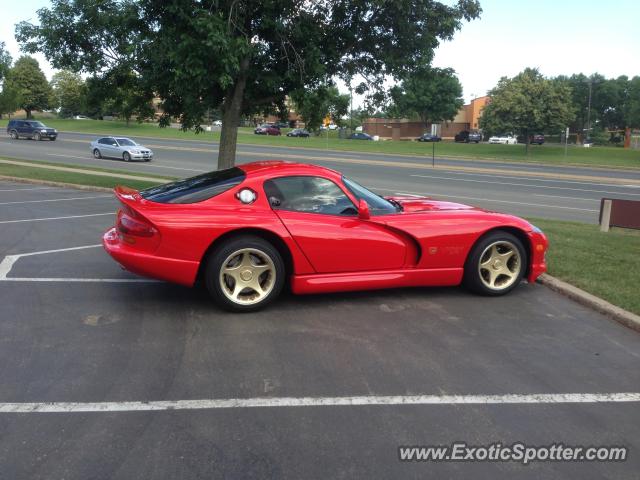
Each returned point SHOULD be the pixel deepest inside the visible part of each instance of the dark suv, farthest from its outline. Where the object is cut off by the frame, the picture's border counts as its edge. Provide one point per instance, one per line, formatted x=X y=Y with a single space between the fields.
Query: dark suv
x=466 y=136
x=30 y=129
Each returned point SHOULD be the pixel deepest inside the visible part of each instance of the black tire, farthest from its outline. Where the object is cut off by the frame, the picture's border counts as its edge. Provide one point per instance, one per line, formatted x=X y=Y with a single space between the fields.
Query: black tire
x=96 y=153
x=473 y=279
x=53 y=139
x=37 y=137
x=14 y=134
x=215 y=263
x=126 y=156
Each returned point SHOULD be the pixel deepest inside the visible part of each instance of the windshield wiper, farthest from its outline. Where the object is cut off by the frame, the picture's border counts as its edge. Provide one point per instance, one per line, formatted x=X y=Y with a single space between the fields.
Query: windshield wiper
x=395 y=204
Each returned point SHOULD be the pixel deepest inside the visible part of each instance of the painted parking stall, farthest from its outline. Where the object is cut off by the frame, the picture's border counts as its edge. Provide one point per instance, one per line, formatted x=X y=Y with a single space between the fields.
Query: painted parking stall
x=130 y=378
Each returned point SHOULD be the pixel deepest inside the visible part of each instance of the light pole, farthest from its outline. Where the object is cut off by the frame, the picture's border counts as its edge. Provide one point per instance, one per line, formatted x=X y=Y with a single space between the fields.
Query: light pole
x=350 y=107
x=589 y=109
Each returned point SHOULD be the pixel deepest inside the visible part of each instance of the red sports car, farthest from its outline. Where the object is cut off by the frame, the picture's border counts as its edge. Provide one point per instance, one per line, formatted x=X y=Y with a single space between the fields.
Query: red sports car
x=246 y=231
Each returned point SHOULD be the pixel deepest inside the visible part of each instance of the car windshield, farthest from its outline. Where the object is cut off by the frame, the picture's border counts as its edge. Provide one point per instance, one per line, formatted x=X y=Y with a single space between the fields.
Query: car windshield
x=126 y=142
x=377 y=204
x=37 y=124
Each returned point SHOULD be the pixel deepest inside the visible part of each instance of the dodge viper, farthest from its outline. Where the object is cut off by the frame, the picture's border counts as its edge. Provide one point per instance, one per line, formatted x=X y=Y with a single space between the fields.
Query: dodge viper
x=246 y=231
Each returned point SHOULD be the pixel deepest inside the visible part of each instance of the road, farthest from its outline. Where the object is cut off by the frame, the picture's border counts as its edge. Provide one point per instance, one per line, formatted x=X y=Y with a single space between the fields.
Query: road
x=151 y=380
x=530 y=190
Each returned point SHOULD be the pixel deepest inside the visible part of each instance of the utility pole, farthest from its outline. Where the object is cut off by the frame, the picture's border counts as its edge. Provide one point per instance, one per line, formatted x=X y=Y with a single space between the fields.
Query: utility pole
x=589 y=109
x=350 y=107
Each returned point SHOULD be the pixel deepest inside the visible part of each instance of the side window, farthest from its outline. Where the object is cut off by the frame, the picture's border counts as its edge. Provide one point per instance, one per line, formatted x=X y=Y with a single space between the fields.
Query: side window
x=104 y=141
x=308 y=194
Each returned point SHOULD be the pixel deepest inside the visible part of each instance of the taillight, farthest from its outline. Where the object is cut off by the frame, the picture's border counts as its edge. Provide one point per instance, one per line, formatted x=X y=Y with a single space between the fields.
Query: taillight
x=132 y=223
x=130 y=226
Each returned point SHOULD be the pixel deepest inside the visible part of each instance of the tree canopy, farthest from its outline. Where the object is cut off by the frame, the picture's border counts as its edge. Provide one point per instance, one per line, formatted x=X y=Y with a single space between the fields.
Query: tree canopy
x=432 y=94
x=69 y=93
x=243 y=57
x=29 y=85
x=526 y=104
x=5 y=62
x=315 y=105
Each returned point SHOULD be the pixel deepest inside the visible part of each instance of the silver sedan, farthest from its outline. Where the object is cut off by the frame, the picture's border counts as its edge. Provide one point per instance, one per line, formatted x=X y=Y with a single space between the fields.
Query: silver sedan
x=120 y=147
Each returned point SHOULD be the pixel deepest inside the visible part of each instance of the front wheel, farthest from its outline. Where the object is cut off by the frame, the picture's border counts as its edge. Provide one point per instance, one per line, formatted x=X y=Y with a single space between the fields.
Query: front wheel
x=37 y=137
x=96 y=153
x=496 y=264
x=126 y=157
x=245 y=274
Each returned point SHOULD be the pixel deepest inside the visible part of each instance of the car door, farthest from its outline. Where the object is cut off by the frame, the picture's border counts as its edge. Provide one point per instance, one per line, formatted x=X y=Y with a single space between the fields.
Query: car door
x=324 y=223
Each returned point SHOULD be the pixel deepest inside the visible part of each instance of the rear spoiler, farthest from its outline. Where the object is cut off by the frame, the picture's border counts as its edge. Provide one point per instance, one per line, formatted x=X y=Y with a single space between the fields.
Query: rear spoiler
x=127 y=195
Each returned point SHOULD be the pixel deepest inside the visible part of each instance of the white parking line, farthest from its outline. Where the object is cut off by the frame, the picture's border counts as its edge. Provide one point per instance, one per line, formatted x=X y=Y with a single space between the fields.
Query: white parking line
x=272 y=402
x=55 y=218
x=57 y=199
x=9 y=260
x=7 y=264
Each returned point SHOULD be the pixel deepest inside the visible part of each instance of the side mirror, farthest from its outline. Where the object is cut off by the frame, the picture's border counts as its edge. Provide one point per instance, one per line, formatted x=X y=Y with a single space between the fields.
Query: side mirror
x=363 y=210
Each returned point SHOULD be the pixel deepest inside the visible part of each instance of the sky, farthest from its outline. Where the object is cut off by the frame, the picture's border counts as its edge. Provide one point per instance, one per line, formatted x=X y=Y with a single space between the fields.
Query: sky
x=556 y=36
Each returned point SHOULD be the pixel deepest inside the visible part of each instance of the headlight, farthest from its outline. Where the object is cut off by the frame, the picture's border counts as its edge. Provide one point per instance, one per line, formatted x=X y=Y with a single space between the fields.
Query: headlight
x=43 y=131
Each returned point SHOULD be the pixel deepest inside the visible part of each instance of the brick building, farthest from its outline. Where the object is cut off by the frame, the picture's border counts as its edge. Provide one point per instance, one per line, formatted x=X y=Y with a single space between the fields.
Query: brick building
x=468 y=118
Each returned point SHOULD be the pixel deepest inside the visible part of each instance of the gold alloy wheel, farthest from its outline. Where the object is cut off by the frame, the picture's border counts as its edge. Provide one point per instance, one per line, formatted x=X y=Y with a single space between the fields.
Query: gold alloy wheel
x=247 y=276
x=500 y=265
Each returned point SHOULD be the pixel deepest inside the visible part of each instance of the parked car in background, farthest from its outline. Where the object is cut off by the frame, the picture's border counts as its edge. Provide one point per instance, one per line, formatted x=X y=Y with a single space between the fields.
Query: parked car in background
x=360 y=136
x=81 y=117
x=428 y=137
x=539 y=139
x=281 y=124
x=217 y=123
x=466 y=136
x=298 y=132
x=30 y=129
x=120 y=147
x=504 y=139
x=267 y=129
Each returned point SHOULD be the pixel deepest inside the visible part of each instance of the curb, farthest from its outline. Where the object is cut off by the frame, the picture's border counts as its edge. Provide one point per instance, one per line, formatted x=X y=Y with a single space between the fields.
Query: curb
x=56 y=184
x=620 y=315
x=83 y=171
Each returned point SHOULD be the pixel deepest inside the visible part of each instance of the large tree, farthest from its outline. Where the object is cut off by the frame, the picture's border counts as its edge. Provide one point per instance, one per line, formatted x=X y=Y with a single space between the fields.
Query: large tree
x=5 y=62
x=526 y=104
x=432 y=94
x=29 y=84
x=8 y=97
x=243 y=56
x=322 y=102
x=69 y=93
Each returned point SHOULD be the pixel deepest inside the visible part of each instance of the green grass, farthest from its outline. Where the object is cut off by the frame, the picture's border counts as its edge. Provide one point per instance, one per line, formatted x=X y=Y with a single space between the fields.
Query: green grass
x=75 y=178
x=604 y=264
x=548 y=154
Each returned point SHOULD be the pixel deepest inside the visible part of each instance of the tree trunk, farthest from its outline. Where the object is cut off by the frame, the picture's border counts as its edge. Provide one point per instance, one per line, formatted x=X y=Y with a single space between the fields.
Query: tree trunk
x=526 y=142
x=28 y=112
x=232 y=110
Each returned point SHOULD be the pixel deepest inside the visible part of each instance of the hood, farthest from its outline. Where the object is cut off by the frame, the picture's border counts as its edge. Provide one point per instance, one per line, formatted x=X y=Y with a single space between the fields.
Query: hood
x=421 y=204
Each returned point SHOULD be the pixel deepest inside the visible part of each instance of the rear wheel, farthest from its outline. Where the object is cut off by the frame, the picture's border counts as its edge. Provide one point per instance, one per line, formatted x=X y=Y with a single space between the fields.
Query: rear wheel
x=245 y=274
x=126 y=157
x=496 y=264
x=96 y=153
x=13 y=134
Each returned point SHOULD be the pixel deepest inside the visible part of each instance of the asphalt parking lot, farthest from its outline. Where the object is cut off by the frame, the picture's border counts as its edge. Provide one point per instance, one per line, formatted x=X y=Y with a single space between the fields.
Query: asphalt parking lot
x=107 y=375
